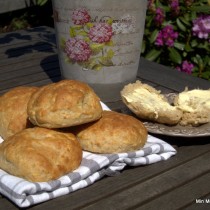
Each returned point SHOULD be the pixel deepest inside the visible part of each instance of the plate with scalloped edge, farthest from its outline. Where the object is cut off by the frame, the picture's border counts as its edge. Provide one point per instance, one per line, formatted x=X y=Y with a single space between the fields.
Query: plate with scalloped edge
x=176 y=130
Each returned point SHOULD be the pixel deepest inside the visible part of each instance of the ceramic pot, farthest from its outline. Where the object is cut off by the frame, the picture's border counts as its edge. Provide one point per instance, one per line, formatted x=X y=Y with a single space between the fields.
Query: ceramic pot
x=99 y=42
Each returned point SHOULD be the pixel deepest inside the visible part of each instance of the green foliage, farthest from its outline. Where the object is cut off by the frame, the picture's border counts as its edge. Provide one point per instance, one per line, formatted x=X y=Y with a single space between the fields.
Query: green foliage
x=41 y=2
x=187 y=46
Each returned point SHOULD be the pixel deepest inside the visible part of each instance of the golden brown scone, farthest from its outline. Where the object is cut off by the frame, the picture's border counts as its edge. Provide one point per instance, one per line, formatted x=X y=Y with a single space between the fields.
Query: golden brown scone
x=62 y=104
x=39 y=154
x=112 y=133
x=13 y=110
x=195 y=105
x=149 y=104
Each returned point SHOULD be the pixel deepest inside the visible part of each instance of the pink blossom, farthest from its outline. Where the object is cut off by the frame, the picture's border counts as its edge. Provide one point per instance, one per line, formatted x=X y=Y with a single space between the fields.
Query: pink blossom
x=166 y=36
x=186 y=67
x=201 y=27
x=80 y=16
x=101 y=32
x=174 y=4
x=160 y=16
x=77 y=49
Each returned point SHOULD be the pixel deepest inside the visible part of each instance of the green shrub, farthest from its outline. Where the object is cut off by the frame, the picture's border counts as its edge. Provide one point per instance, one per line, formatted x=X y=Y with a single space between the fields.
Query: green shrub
x=177 y=34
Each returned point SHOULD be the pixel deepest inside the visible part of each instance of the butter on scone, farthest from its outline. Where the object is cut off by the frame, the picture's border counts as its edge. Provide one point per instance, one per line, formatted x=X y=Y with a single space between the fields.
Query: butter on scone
x=195 y=105
x=63 y=104
x=149 y=104
x=112 y=133
x=13 y=110
x=40 y=154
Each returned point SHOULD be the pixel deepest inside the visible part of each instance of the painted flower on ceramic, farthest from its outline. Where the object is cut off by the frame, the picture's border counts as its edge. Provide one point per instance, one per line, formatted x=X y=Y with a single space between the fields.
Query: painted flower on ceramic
x=80 y=16
x=126 y=24
x=100 y=32
x=77 y=49
x=89 y=43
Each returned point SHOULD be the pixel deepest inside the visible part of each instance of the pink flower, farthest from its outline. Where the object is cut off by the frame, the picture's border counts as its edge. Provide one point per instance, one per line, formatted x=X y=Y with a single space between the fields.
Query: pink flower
x=80 y=16
x=186 y=67
x=77 y=49
x=101 y=32
x=174 y=4
x=160 y=16
x=166 y=36
x=201 y=27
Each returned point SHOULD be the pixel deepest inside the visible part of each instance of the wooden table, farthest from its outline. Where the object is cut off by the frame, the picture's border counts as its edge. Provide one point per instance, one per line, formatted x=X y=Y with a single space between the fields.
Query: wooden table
x=29 y=57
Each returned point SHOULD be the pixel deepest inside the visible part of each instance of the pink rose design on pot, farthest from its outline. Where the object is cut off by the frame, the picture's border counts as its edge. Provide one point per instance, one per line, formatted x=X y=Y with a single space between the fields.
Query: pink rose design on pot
x=80 y=16
x=101 y=32
x=77 y=49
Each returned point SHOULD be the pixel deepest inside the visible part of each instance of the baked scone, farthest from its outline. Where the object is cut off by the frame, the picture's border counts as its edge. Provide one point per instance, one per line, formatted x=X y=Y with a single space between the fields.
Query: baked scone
x=195 y=105
x=63 y=104
x=149 y=104
x=40 y=154
x=13 y=110
x=112 y=133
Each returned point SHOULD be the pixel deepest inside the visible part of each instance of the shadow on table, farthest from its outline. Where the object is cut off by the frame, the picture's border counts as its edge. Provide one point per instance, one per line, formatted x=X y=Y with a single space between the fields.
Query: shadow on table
x=50 y=65
x=46 y=41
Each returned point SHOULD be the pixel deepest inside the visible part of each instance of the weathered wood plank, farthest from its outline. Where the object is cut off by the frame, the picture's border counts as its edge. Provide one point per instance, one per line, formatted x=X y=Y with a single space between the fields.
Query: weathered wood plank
x=184 y=195
x=28 y=79
x=30 y=69
x=8 y=64
x=21 y=36
x=156 y=186
x=173 y=80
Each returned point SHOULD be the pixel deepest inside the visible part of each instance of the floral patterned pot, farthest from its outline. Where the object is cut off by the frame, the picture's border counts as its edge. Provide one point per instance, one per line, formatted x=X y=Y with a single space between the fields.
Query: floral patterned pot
x=99 y=42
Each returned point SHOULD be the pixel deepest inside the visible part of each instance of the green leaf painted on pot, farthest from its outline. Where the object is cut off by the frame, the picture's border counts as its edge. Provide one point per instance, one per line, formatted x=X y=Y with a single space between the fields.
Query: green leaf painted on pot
x=72 y=32
x=89 y=25
x=110 y=21
x=175 y=56
x=105 y=61
x=97 y=67
x=63 y=43
x=153 y=54
x=96 y=48
x=78 y=27
x=110 y=54
x=82 y=33
x=110 y=43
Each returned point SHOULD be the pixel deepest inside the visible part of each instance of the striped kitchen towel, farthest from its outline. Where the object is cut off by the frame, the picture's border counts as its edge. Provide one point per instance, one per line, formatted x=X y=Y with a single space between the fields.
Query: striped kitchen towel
x=92 y=168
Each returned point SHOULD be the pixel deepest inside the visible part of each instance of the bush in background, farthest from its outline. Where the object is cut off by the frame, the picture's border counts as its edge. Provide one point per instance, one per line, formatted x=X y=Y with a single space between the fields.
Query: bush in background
x=177 y=34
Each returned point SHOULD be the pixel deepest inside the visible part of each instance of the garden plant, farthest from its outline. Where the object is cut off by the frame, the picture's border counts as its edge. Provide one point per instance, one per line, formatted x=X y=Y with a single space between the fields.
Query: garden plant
x=177 y=34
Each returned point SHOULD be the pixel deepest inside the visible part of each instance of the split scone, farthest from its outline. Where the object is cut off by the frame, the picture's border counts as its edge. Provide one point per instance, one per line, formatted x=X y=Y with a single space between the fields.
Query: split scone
x=40 y=154
x=63 y=104
x=195 y=105
x=13 y=110
x=149 y=104
x=112 y=133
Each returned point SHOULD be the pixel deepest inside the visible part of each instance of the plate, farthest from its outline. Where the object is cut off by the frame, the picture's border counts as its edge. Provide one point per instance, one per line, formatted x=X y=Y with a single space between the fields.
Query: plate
x=176 y=130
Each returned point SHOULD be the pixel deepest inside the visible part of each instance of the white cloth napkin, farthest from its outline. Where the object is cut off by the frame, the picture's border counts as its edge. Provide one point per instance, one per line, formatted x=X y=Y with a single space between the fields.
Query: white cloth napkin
x=93 y=167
